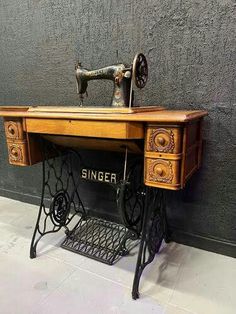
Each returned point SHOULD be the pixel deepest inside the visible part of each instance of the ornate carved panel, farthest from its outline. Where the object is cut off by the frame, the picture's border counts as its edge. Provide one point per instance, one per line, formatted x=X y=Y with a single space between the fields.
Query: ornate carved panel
x=18 y=153
x=161 y=140
x=160 y=170
x=164 y=138
x=15 y=152
x=16 y=141
x=14 y=129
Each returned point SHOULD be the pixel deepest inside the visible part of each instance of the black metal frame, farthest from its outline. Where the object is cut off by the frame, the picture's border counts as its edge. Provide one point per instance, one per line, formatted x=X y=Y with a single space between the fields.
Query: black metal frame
x=141 y=208
x=154 y=230
x=63 y=199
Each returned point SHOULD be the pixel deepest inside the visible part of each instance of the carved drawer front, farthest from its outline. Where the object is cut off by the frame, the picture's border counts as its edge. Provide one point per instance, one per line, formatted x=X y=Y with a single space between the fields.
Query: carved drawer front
x=162 y=173
x=14 y=129
x=18 y=153
x=163 y=139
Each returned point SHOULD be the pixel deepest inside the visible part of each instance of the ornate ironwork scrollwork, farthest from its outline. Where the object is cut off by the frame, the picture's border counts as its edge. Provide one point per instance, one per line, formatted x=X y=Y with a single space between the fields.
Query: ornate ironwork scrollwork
x=155 y=229
x=153 y=232
x=141 y=208
x=60 y=191
x=130 y=198
x=60 y=208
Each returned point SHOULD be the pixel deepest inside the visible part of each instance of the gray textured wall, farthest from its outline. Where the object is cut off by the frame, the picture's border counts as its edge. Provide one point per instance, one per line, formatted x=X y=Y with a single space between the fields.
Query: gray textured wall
x=190 y=46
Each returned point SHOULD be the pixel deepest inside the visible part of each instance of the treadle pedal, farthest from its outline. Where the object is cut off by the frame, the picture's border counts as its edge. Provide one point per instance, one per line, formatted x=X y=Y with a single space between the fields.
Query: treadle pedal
x=99 y=239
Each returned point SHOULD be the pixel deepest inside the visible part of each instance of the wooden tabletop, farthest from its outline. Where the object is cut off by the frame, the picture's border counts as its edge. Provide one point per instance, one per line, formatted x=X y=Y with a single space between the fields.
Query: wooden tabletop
x=78 y=113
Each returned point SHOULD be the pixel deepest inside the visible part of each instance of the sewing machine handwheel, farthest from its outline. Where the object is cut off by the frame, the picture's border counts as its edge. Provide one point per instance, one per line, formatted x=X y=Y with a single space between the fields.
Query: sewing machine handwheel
x=140 y=70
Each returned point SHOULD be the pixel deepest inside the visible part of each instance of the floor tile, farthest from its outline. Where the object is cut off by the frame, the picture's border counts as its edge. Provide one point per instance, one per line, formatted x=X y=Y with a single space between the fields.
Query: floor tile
x=85 y=293
x=27 y=218
x=180 y=280
x=207 y=284
x=25 y=282
x=158 y=279
x=170 y=309
x=16 y=240
x=11 y=209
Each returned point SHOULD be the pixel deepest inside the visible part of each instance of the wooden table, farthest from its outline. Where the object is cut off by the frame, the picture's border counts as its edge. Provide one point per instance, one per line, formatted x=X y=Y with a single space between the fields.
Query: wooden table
x=170 y=142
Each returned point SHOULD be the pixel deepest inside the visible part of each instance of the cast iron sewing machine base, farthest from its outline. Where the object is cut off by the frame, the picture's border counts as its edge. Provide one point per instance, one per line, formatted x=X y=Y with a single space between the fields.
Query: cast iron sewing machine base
x=142 y=211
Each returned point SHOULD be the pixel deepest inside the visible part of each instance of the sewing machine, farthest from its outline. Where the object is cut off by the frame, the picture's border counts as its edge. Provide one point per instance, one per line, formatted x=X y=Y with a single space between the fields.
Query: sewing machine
x=168 y=143
x=122 y=75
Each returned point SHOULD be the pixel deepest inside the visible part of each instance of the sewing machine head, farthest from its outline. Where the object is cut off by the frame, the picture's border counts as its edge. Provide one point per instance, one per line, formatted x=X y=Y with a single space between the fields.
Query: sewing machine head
x=122 y=75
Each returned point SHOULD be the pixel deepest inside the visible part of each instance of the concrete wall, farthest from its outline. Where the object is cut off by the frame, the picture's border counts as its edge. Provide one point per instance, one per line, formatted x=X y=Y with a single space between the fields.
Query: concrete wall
x=190 y=46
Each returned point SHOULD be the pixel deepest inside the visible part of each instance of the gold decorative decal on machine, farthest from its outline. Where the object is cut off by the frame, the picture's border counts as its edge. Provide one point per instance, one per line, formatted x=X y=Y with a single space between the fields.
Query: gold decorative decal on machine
x=161 y=140
x=15 y=152
x=160 y=170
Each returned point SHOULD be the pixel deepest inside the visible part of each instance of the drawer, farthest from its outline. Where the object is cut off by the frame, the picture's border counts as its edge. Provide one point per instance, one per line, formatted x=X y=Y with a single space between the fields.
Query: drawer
x=162 y=173
x=83 y=128
x=14 y=129
x=18 y=153
x=163 y=139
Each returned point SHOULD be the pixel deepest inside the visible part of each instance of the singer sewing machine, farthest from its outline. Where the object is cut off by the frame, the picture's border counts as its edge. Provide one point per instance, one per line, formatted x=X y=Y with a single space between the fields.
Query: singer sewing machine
x=122 y=75
x=167 y=143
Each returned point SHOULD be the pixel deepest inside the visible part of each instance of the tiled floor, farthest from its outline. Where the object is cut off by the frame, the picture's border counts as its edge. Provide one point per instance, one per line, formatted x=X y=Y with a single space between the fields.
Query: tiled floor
x=181 y=280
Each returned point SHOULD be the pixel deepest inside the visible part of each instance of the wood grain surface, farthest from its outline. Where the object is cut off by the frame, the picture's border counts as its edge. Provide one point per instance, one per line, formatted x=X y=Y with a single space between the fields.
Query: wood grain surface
x=169 y=140
x=172 y=116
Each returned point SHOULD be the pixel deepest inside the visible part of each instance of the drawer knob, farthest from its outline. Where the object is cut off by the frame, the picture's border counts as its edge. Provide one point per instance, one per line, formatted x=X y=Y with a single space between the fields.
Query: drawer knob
x=161 y=140
x=11 y=130
x=14 y=152
x=159 y=171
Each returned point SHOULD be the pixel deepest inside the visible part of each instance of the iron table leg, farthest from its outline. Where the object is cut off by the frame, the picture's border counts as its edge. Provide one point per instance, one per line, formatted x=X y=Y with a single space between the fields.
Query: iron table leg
x=60 y=186
x=153 y=229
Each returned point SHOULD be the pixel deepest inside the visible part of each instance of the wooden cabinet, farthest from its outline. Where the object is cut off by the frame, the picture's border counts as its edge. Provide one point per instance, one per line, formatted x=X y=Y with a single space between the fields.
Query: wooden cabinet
x=172 y=154
x=172 y=138
x=23 y=148
x=16 y=142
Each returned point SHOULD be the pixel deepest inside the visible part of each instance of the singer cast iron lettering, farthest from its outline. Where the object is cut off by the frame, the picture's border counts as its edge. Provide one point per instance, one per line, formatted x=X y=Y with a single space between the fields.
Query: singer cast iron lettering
x=99 y=175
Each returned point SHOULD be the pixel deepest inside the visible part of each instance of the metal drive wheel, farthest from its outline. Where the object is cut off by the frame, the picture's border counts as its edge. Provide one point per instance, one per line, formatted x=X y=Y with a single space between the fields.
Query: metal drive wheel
x=140 y=70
